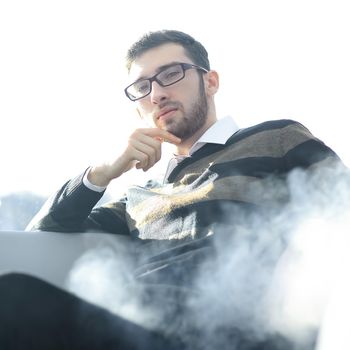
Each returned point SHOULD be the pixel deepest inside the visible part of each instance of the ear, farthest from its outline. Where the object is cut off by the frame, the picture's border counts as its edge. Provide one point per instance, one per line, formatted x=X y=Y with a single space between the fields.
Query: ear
x=211 y=80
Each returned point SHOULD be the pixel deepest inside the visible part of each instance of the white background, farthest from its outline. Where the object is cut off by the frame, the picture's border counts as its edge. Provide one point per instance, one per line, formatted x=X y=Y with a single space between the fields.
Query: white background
x=62 y=75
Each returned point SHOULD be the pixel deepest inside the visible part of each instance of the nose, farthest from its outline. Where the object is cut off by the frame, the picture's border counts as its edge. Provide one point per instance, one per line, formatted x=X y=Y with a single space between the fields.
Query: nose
x=158 y=93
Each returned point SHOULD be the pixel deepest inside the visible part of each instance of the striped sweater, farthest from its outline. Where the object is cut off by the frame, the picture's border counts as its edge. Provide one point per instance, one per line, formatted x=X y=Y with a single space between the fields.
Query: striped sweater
x=199 y=191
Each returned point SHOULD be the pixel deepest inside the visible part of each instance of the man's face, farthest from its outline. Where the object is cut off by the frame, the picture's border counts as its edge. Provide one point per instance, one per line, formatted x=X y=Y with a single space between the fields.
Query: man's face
x=180 y=108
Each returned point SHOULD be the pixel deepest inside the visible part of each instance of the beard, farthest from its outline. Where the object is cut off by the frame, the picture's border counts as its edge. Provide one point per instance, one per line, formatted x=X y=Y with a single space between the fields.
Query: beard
x=193 y=120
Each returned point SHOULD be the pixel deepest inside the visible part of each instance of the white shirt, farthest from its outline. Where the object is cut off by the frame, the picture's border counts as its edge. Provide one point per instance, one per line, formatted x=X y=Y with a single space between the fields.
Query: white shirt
x=218 y=133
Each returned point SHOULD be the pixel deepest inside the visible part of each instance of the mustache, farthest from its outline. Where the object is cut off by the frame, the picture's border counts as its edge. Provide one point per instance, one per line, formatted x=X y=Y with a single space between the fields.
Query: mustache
x=167 y=104
x=172 y=104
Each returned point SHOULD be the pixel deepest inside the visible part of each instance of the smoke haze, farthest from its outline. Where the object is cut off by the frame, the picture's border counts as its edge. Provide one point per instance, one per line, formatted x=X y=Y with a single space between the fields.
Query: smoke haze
x=275 y=277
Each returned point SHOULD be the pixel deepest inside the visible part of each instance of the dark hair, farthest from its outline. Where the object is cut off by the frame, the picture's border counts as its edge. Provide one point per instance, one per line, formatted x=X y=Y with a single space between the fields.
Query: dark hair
x=194 y=49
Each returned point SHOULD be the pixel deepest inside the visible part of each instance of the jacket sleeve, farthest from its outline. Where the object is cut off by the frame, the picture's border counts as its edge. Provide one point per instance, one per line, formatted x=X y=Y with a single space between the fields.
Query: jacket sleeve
x=72 y=209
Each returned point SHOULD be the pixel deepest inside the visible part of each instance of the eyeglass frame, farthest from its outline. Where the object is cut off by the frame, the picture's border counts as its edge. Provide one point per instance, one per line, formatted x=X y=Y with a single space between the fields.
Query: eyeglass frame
x=184 y=66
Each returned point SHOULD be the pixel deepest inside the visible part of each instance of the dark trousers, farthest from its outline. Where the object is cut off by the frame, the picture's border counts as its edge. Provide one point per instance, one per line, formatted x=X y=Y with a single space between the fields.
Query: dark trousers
x=37 y=315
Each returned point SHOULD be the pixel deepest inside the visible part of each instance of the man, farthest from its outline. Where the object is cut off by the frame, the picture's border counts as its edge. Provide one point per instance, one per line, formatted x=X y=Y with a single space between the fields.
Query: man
x=219 y=180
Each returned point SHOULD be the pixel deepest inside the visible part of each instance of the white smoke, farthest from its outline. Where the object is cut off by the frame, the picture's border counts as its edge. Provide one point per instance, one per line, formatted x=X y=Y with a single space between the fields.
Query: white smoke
x=103 y=276
x=275 y=276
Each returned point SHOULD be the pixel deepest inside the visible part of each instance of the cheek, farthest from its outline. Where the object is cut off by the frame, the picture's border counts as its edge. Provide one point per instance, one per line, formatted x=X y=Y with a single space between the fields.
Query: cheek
x=145 y=114
x=143 y=110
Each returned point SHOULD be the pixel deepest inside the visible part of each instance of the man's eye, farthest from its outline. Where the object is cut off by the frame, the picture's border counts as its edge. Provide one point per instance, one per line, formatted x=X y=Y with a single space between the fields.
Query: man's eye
x=172 y=74
x=142 y=86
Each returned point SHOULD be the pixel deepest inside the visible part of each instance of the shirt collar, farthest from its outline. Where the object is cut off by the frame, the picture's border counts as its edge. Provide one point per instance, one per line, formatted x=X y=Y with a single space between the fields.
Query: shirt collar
x=218 y=133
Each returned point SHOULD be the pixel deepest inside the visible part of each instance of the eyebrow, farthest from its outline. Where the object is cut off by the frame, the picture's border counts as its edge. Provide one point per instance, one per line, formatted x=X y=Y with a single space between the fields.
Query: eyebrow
x=158 y=70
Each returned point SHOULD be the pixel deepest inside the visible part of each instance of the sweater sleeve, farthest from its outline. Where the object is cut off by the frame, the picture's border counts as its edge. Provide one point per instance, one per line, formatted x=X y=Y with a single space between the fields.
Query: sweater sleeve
x=302 y=149
x=72 y=209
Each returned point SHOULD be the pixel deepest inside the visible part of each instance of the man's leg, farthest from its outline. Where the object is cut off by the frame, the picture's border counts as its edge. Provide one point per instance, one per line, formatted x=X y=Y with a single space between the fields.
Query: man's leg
x=37 y=315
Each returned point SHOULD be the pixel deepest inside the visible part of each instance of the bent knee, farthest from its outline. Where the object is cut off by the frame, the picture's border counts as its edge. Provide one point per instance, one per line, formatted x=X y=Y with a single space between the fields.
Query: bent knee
x=19 y=280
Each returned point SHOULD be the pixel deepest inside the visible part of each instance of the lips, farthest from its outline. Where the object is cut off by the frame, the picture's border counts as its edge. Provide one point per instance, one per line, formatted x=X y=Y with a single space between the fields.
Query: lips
x=165 y=111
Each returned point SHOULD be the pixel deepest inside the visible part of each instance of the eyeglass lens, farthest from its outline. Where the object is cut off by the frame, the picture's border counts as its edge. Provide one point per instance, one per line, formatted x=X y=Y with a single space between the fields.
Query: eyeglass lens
x=166 y=77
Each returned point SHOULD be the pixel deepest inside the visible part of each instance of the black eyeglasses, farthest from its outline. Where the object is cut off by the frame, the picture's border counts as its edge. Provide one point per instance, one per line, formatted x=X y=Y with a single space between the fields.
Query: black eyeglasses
x=168 y=76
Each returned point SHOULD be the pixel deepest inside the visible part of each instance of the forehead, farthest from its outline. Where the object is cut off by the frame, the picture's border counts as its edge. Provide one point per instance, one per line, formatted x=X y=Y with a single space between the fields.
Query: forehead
x=147 y=64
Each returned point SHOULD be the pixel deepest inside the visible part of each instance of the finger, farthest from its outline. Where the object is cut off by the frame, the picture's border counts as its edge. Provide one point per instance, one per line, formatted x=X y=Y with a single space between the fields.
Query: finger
x=154 y=143
x=141 y=158
x=142 y=138
x=149 y=150
x=162 y=134
x=147 y=155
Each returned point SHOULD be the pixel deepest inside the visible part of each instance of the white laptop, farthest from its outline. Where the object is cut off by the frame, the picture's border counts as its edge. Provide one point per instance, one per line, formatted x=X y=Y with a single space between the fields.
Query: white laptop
x=50 y=255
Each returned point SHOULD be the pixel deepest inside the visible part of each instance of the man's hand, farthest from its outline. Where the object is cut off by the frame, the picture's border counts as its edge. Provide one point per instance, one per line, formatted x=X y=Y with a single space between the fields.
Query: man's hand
x=143 y=151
